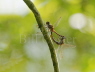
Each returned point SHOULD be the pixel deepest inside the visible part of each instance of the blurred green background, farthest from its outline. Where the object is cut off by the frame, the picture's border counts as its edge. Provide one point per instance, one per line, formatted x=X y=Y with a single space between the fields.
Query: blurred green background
x=22 y=49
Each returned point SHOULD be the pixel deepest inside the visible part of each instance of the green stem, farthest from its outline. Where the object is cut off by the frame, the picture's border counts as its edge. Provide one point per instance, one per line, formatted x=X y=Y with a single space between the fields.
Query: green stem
x=44 y=32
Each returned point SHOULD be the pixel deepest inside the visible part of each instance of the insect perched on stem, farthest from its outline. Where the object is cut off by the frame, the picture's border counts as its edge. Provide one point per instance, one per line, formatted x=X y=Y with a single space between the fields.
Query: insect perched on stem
x=61 y=39
x=51 y=28
x=60 y=43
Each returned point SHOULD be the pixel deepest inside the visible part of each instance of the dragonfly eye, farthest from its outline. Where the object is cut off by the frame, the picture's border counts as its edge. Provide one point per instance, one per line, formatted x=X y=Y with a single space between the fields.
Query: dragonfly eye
x=47 y=23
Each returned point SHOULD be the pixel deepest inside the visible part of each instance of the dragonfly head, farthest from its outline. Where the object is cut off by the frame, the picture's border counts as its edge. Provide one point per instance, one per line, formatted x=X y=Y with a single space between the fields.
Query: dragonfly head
x=48 y=23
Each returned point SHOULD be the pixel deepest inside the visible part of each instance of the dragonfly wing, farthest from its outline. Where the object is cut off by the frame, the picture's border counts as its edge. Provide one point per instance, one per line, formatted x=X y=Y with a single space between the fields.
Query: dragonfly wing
x=68 y=46
x=61 y=50
x=57 y=22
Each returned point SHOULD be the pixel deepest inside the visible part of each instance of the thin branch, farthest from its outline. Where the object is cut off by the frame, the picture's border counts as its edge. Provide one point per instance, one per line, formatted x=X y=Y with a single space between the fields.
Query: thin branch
x=44 y=32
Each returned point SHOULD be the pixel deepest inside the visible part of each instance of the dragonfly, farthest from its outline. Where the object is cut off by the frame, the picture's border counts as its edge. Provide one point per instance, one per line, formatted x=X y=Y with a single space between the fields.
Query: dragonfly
x=61 y=38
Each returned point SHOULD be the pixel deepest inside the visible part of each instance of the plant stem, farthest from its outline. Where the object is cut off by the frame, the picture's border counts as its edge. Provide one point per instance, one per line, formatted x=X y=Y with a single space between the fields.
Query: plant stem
x=44 y=32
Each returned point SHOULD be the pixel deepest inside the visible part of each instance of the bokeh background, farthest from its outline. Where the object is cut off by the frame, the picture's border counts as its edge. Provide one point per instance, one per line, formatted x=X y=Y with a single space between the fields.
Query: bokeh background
x=23 y=48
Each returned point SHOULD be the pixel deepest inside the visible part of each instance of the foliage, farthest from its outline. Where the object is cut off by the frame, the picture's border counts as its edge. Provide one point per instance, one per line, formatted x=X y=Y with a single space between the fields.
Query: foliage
x=22 y=51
